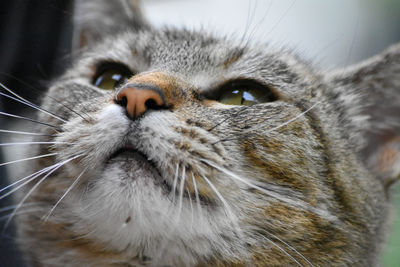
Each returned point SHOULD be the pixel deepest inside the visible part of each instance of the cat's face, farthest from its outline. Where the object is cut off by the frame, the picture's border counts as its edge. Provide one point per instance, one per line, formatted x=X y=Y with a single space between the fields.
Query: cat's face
x=243 y=156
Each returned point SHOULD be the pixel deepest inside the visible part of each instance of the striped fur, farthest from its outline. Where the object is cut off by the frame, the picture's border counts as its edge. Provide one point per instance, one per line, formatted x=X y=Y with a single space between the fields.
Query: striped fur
x=284 y=183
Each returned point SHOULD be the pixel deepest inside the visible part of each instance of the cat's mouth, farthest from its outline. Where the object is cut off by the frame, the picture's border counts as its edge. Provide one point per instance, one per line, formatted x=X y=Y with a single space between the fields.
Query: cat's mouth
x=137 y=165
x=125 y=152
x=129 y=153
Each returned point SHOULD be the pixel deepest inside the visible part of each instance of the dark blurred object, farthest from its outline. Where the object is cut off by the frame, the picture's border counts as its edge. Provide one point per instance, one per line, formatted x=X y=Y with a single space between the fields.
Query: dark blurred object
x=35 y=41
x=34 y=44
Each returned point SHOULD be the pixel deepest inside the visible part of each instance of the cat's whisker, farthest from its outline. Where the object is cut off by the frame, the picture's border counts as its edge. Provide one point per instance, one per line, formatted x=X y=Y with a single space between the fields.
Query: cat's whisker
x=353 y=41
x=25 y=178
x=39 y=92
x=4 y=217
x=7 y=208
x=175 y=182
x=291 y=120
x=29 y=104
x=175 y=221
x=29 y=119
x=293 y=202
x=37 y=185
x=280 y=19
x=227 y=209
x=25 y=133
x=36 y=90
x=282 y=249
x=274 y=128
x=290 y=247
x=248 y=20
x=246 y=25
x=32 y=143
x=11 y=207
x=181 y=191
x=258 y=25
x=191 y=209
x=30 y=177
x=251 y=185
x=26 y=159
x=228 y=118
x=65 y=194
x=320 y=53
x=196 y=193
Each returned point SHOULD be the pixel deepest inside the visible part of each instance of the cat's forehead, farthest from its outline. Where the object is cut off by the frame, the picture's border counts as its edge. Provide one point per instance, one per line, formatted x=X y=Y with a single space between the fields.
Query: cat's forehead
x=200 y=58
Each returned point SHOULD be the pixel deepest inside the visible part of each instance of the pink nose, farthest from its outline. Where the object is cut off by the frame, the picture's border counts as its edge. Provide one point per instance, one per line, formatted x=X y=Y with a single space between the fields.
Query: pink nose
x=138 y=101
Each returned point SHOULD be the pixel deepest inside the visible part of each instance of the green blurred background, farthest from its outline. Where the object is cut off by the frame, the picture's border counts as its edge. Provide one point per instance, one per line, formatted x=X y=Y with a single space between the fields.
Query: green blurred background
x=391 y=255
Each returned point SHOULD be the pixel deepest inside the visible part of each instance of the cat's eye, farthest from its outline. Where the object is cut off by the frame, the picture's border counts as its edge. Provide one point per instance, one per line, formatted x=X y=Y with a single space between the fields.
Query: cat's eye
x=245 y=93
x=111 y=75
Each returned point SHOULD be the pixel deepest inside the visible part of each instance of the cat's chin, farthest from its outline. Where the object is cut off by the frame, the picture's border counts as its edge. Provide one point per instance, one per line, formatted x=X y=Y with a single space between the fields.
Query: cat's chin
x=134 y=165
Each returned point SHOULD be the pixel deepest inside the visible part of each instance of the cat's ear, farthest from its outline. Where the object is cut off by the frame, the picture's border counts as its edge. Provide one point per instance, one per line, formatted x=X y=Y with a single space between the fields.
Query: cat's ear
x=96 y=19
x=368 y=95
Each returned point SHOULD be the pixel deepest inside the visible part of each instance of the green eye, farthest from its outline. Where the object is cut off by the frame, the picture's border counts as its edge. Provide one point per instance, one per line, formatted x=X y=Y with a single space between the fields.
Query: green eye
x=111 y=75
x=245 y=93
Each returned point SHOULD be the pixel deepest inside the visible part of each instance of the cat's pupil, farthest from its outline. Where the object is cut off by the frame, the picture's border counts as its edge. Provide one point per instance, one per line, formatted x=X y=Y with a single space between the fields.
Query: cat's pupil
x=245 y=93
x=109 y=80
x=238 y=97
x=111 y=76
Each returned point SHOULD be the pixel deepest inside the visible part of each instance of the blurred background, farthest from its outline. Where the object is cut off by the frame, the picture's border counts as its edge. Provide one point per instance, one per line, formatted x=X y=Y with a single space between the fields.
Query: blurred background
x=35 y=46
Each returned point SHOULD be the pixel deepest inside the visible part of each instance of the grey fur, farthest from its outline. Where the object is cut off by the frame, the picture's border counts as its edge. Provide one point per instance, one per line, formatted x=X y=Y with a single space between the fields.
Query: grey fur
x=289 y=175
x=94 y=20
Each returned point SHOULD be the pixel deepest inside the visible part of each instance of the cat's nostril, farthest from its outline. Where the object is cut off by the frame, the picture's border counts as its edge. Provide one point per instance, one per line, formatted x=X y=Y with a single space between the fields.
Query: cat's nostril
x=138 y=100
x=152 y=104
x=123 y=102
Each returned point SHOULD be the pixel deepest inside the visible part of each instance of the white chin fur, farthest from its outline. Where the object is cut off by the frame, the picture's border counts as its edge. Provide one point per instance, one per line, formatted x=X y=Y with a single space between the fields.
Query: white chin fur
x=140 y=217
x=131 y=211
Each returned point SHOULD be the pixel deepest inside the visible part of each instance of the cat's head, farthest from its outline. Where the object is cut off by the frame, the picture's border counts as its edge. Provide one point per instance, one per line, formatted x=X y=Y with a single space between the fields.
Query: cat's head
x=182 y=148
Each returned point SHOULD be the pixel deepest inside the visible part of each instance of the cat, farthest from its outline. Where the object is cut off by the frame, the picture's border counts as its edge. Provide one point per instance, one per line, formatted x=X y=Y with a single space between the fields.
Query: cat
x=165 y=147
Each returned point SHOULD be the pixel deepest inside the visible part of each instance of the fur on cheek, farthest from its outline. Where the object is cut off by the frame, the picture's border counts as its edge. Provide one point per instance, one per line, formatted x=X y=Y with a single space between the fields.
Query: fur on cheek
x=96 y=140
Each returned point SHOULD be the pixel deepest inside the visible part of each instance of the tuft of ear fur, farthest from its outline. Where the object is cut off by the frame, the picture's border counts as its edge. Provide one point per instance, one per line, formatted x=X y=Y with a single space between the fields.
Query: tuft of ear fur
x=96 y=19
x=369 y=95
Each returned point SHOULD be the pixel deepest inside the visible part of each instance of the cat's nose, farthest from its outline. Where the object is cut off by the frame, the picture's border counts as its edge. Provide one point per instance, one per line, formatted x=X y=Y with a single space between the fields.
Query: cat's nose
x=138 y=98
x=153 y=90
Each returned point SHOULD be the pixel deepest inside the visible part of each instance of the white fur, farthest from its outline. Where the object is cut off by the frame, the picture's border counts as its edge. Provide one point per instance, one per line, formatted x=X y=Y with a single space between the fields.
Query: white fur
x=157 y=227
